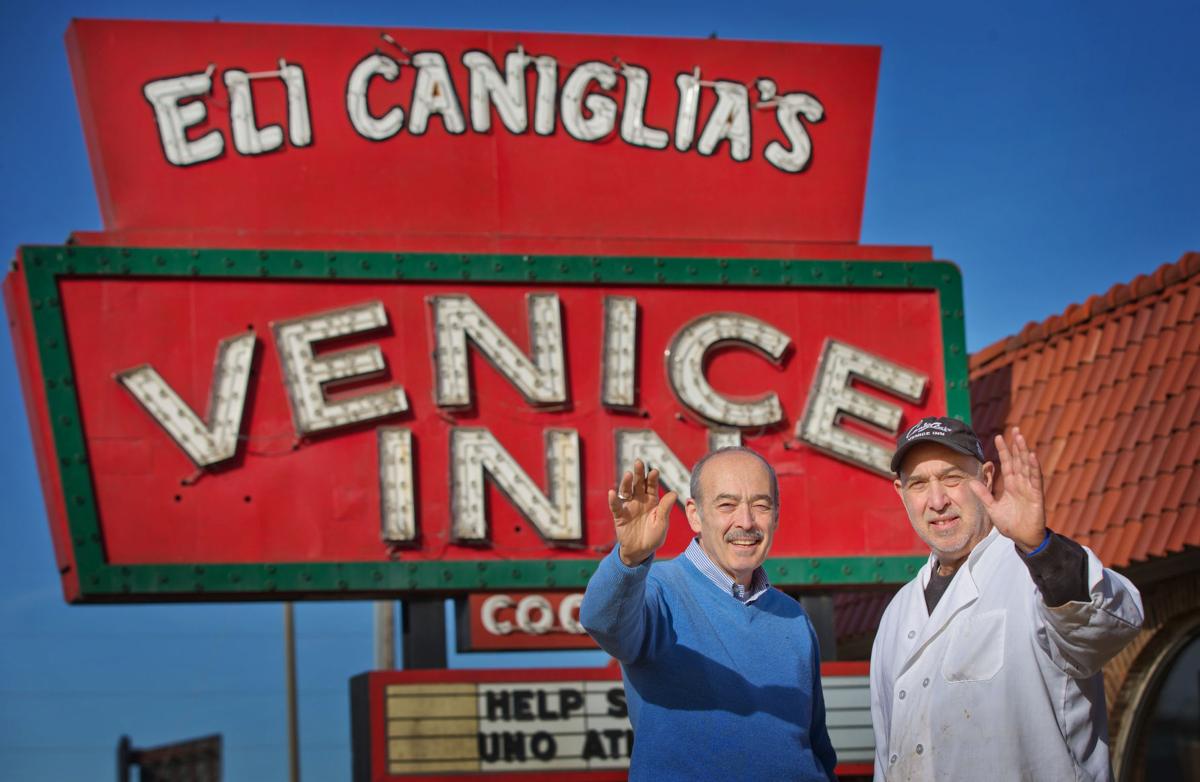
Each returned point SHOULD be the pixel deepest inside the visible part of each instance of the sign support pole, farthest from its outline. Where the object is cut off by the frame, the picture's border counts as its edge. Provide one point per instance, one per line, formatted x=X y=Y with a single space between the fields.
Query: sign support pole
x=385 y=635
x=289 y=644
x=424 y=633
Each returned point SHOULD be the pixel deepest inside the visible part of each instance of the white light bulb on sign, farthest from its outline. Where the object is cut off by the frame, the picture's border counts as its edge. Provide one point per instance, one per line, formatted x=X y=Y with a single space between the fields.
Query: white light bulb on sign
x=620 y=352
x=215 y=439
x=396 y=495
x=306 y=376
x=832 y=396
x=557 y=516
x=685 y=368
x=540 y=378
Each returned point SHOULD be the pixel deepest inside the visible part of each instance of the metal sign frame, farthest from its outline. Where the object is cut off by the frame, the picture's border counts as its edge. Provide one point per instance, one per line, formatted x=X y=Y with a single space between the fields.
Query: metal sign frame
x=55 y=409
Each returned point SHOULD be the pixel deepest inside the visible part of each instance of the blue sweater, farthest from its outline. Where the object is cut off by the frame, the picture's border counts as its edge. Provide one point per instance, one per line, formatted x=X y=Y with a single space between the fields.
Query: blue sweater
x=717 y=689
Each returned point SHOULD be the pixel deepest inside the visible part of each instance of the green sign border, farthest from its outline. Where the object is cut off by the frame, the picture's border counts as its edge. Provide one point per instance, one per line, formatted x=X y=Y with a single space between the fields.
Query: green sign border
x=44 y=266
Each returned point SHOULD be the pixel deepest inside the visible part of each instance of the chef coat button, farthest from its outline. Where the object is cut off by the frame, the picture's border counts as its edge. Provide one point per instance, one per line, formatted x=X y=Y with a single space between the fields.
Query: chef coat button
x=912 y=633
x=925 y=683
x=893 y=759
x=902 y=694
x=920 y=749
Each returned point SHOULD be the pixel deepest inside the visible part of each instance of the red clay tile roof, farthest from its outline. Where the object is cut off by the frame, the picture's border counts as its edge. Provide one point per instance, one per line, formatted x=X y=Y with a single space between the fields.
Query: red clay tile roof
x=1108 y=393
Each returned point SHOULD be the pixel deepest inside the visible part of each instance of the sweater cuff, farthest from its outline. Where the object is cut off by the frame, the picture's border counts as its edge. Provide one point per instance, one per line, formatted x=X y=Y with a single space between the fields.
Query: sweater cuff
x=620 y=563
x=1059 y=570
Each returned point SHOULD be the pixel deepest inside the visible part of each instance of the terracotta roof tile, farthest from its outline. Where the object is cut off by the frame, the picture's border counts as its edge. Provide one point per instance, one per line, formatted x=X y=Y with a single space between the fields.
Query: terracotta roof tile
x=1104 y=373
x=1109 y=392
x=1178 y=371
x=1091 y=469
x=1155 y=391
x=1174 y=309
x=1193 y=343
x=1108 y=507
x=1167 y=421
x=1088 y=415
x=1108 y=337
x=1142 y=546
x=1175 y=447
x=1091 y=345
x=1125 y=363
x=1191 y=306
x=1141 y=325
x=1158 y=316
x=1124 y=509
x=1104 y=469
x=1061 y=348
x=1071 y=422
x=1142 y=493
x=1191 y=495
x=1156 y=499
x=1124 y=330
x=1174 y=491
x=1109 y=404
x=1154 y=464
x=1170 y=344
x=1130 y=393
x=1181 y=532
x=1075 y=349
x=1050 y=456
x=1162 y=533
x=1152 y=415
x=1144 y=355
x=1123 y=469
x=1126 y=540
x=1091 y=510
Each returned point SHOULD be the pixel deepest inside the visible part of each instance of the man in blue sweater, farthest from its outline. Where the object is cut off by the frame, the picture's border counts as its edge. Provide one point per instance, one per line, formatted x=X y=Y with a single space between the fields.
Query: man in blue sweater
x=722 y=670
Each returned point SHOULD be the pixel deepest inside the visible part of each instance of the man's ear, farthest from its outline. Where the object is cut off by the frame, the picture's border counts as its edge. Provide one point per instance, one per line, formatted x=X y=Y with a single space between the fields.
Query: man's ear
x=899 y=487
x=989 y=474
x=693 y=515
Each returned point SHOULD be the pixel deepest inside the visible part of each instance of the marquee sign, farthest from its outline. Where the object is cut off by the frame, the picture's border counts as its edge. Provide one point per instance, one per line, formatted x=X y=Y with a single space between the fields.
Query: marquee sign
x=566 y=724
x=349 y=138
x=246 y=424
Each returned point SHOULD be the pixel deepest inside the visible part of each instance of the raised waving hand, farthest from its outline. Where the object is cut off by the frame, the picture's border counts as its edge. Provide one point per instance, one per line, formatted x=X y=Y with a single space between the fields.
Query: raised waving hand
x=1018 y=508
x=640 y=515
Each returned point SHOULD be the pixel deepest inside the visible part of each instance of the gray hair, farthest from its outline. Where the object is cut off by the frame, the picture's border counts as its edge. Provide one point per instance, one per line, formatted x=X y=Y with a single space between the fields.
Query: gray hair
x=694 y=486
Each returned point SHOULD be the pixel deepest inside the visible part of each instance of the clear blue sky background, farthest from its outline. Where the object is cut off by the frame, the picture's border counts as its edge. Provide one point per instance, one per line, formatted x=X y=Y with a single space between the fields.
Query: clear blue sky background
x=1049 y=148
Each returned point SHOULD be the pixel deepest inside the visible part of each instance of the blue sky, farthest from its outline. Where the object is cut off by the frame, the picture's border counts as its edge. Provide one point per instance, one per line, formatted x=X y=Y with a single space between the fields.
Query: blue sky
x=1047 y=148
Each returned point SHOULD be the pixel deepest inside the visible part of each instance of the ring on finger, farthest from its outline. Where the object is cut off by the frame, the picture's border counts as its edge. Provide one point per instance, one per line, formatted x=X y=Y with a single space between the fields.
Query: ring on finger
x=624 y=497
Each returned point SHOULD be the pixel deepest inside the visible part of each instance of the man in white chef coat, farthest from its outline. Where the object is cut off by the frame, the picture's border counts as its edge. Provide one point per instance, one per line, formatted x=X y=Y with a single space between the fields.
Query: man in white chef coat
x=987 y=664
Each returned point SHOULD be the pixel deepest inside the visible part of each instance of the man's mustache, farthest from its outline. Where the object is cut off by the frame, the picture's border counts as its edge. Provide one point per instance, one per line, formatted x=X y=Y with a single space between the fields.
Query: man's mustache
x=735 y=535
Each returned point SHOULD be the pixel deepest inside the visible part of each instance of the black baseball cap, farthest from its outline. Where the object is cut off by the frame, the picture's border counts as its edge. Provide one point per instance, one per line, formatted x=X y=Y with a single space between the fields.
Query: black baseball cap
x=950 y=432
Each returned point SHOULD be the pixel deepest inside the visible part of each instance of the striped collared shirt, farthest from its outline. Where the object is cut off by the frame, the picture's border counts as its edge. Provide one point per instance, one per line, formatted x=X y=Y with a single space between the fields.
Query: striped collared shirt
x=758 y=579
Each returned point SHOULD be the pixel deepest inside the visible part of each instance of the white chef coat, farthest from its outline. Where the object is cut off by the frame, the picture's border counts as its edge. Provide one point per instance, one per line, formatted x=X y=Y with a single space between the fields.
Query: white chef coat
x=995 y=685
